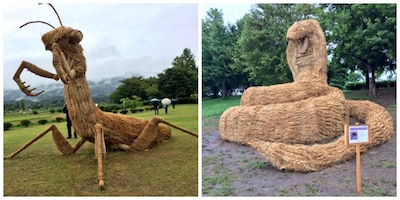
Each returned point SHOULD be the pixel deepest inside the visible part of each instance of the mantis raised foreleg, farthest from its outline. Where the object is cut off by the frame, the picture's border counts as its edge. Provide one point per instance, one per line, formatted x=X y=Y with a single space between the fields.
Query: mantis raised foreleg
x=34 y=69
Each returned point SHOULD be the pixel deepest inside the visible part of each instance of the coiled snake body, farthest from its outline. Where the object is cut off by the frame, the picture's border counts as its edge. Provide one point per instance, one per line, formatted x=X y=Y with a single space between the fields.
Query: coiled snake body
x=300 y=125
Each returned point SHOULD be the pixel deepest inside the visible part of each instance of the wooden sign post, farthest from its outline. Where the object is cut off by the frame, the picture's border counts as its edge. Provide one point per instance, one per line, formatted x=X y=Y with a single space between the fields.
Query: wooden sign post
x=356 y=135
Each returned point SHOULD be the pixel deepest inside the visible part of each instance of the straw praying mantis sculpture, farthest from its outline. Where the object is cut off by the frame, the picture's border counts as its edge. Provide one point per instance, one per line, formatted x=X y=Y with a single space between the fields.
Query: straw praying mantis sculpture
x=107 y=131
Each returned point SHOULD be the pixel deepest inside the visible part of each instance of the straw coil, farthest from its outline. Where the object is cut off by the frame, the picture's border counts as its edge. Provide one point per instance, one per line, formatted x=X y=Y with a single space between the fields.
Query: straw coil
x=305 y=158
x=300 y=126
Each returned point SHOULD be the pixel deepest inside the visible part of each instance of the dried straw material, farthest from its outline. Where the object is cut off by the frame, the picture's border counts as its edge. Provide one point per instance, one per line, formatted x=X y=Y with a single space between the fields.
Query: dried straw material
x=314 y=120
x=61 y=142
x=300 y=126
x=307 y=158
x=288 y=92
x=107 y=131
x=306 y=50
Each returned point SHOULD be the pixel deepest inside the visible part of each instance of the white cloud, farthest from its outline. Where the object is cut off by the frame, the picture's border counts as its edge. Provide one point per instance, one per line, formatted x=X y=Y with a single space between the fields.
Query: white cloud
x=137 y=39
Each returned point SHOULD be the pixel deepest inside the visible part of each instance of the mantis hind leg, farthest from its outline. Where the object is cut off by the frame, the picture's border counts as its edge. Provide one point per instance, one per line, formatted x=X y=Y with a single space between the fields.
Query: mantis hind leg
x=152 y=133
x=59 y=139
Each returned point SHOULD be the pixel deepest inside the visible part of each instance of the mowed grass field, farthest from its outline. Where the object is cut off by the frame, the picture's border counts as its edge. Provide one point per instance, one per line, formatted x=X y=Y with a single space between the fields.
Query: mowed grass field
x=169 y=169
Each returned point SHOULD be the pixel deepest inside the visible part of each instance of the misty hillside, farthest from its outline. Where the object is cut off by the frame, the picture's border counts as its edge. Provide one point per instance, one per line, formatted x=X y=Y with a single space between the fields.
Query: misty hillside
x=100 y=90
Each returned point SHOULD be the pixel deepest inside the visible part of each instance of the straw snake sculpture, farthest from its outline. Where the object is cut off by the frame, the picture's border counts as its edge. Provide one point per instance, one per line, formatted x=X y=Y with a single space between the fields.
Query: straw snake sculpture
x=108 y=131
x=299 y=126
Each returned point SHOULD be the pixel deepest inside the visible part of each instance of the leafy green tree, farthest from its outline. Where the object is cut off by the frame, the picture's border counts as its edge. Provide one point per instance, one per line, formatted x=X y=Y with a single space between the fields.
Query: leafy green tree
x=181 y=79
x=22 y=104
x=362 y=38
x=129 y=87
x=354 y=77
x=134 y=102
x=218 y=46
x=262 y=42
x=126 y=103
x=152 y=88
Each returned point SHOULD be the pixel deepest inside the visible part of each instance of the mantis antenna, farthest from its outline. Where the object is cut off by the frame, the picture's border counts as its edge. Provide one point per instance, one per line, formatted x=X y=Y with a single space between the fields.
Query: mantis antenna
x=58 y=16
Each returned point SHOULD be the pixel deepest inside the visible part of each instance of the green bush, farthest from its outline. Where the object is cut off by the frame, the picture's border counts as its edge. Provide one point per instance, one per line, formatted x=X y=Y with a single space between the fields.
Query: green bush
x=109 y=107
x=7 y=126
x=52 y=110
x=189 y=100
x=336 y=85
x=133 y=110
x=25 y=122
x=35 y=112
x=59 y=119
x=361 y=85
x=354 y=85
x=123 y=111
x=386 y=84
x=42 y=121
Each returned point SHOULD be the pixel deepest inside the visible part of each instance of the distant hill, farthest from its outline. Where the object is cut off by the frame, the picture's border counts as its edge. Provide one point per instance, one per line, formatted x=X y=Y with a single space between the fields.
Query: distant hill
x=100 y=90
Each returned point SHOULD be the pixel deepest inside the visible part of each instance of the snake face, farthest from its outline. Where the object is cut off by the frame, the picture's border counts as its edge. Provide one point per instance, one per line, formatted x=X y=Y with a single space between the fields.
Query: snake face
x=305 y=43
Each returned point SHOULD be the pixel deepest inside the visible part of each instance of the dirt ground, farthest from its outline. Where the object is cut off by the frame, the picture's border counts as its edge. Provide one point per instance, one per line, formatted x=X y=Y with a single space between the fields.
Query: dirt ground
x=229 y=169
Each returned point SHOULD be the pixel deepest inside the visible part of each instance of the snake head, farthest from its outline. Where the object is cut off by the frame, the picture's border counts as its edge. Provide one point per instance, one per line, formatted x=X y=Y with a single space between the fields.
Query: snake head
x=302 y=29
x=306 y=50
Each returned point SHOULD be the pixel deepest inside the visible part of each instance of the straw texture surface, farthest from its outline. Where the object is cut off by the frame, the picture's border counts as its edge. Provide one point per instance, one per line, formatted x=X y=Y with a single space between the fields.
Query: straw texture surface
x=300 y=126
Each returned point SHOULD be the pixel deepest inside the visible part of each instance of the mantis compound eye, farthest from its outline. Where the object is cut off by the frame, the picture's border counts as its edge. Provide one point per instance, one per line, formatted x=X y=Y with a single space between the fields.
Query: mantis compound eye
x=76 y=36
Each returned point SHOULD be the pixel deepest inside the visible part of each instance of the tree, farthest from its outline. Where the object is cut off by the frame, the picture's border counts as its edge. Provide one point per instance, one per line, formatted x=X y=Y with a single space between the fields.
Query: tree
x=262 y=42
x=22 y=103
x=362 y=38
x=129 y=87
x=152 y=89
x=218 y=43
x=133 y=102
x=181 y=79
x=126 y=103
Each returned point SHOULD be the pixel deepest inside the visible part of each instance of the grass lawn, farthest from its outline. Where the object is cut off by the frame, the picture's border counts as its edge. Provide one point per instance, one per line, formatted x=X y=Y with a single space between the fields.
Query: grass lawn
x=213 y=108
x=169 y=169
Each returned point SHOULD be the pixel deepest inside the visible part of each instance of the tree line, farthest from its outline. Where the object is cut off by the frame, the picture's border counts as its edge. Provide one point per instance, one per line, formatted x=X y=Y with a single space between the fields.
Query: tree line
x=360 y=37
x=178 y=81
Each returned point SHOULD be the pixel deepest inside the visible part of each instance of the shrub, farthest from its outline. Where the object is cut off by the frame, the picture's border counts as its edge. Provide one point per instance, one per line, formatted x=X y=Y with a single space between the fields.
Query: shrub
x=379 y=84
x=42 y=121
x=7 y=126
x=123 y=111
x=187 y=100
x=109 y=107
x=387 y=83
x=25 y=122
x=336 y=85
x=354 y=85
x=52 y=110
x=59 y=119
x=35 y=112
x=134 y=110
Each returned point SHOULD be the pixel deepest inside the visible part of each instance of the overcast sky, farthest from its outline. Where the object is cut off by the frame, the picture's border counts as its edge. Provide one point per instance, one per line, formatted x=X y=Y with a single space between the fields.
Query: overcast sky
x=119 y=39
x=231 y=11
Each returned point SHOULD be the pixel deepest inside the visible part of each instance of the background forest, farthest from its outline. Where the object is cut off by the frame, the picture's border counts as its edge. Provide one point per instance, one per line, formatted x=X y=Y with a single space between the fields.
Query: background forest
x=361 y=40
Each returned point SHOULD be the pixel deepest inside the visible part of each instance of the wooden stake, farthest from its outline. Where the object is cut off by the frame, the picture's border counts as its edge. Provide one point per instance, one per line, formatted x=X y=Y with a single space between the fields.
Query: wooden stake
x=358 y=170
